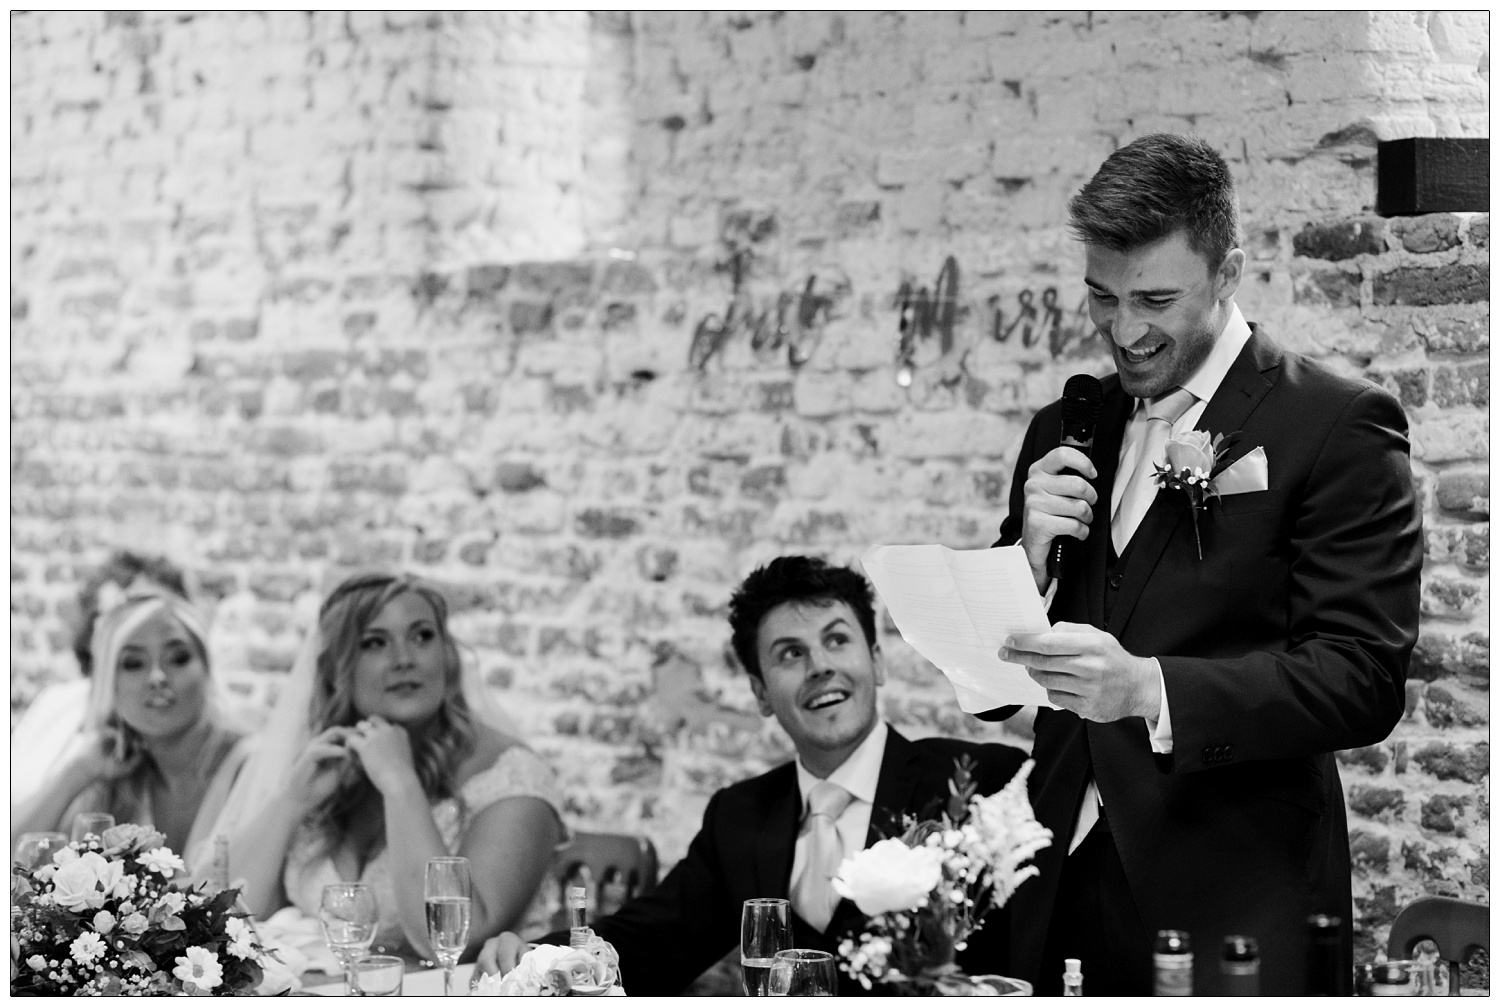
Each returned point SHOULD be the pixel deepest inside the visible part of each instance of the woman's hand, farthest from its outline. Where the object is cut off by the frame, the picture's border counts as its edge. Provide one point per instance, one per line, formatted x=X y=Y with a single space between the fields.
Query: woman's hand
x=500 y=954
x=98 y=760
x=317 y=772
x=384 y=750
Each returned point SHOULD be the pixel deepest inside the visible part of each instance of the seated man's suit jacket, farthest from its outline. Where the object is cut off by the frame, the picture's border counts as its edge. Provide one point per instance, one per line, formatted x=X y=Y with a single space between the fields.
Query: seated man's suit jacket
x=1287 y=641
x=667 y=938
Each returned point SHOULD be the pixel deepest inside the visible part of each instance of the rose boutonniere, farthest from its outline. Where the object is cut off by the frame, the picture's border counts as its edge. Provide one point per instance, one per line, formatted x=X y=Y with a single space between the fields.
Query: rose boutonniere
x=1193 y=460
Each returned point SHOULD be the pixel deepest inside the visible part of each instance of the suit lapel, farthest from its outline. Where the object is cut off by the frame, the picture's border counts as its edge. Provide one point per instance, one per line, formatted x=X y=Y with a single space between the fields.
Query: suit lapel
x=1243 y=388
x=1248 y=381
x=1109 y=436
x=900 y=769
x=773 y=861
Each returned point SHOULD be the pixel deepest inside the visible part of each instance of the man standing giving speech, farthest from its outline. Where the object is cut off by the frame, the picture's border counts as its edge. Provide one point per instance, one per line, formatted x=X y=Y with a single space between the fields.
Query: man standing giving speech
x=1208 y=662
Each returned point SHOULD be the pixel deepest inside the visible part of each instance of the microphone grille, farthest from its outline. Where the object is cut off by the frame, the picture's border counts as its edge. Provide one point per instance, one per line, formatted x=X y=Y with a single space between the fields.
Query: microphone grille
x=1082 y=398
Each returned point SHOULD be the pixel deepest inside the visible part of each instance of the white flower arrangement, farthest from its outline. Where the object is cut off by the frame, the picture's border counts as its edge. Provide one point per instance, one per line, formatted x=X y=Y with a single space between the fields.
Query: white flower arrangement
x=925 y=893
x=104 y=919
x=550 y=970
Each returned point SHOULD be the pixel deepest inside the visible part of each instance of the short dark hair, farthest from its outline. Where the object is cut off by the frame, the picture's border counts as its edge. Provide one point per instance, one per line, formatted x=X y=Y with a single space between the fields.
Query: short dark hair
x=122 y=568
x=804 y=579
x=1154 y=186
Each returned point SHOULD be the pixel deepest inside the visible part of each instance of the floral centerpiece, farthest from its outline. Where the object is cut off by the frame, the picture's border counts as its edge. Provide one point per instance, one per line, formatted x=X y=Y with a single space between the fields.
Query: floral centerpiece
x=104 y=918
x=549 y=970
x=927 y=891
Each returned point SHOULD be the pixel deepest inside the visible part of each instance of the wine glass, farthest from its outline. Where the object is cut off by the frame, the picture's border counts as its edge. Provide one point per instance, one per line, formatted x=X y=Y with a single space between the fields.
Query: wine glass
x=349 y=915
x=802 y=973
x=91 y=823
x=446 y=892
x=35 y=849
x=765 y=929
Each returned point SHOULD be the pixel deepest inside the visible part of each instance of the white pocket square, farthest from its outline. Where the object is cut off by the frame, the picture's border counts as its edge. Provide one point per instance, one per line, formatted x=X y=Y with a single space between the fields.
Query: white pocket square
x=1247 y=475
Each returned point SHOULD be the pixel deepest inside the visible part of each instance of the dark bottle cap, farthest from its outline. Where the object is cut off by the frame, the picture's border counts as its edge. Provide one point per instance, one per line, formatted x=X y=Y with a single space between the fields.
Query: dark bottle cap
x=1172 y=942
x=1238 y=948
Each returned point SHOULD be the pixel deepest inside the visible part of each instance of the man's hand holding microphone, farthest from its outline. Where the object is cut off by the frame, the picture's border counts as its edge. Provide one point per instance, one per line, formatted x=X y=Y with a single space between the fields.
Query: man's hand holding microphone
x=1082 y=667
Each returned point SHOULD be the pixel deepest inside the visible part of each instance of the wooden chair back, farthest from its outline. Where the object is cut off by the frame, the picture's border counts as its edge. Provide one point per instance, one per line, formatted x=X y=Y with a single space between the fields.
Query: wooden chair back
x=1455 y=926
x=612 y=867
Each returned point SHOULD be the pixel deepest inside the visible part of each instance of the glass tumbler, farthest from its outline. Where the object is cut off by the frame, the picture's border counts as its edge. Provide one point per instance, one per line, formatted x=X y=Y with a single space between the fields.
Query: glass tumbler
x=800 y=972
x=90 y=823
x=379 y=976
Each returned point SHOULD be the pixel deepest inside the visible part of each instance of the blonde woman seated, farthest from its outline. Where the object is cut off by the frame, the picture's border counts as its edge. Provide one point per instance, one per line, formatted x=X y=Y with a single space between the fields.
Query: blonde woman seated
x=155 y=746
x=53 y=717
x=383 y=752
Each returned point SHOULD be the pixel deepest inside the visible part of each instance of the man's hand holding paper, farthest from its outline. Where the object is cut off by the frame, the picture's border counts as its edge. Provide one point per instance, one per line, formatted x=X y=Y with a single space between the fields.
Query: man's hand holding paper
x=1085 y=670
x=957 y=608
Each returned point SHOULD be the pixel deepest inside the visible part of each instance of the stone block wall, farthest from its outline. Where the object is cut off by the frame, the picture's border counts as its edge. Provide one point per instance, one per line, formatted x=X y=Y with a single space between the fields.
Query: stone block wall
x=584 y=316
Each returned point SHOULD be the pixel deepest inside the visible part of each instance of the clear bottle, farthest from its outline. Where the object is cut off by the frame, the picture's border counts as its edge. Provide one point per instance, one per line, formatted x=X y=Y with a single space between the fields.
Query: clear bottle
x=579 y=933
x=1239 y=967
x=1172 y=958
x=1391 y=979
x=1326 y=975
x=219 y=881
x=1072 y=977
x=218 y=877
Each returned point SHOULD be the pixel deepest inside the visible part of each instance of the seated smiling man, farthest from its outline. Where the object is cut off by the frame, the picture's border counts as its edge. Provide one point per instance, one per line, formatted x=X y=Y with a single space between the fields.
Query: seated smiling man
x=805 y=632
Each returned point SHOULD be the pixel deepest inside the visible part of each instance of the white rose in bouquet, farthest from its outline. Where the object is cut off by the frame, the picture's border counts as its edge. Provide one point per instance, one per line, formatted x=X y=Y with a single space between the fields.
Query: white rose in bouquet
x=552 y=970
x=86 y=881
x=130 y=838
x=889 y=876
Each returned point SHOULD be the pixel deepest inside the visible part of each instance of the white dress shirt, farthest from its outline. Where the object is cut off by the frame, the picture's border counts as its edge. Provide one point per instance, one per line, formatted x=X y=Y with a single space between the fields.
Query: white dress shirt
x=1203 y=384
x=860 y=775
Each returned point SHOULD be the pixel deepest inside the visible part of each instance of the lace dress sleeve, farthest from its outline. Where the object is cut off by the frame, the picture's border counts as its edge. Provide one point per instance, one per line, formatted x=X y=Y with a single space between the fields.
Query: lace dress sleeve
x=520 y=772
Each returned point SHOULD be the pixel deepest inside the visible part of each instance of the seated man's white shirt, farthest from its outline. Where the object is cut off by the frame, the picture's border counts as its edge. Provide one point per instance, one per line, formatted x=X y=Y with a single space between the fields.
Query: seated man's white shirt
x=860 y=775
x=1203 y=384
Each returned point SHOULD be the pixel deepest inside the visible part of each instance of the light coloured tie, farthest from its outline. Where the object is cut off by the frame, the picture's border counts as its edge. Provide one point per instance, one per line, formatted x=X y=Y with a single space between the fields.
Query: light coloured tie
x=1140 y=489
x=813 y=894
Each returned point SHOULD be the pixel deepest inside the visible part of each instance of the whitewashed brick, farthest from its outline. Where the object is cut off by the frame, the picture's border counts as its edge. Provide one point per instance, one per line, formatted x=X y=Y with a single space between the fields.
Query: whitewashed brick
x=344 y=181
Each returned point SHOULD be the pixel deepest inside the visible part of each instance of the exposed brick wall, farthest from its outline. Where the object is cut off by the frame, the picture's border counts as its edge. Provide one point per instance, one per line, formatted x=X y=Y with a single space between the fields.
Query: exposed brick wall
x=1418 y=802
x=585 y=316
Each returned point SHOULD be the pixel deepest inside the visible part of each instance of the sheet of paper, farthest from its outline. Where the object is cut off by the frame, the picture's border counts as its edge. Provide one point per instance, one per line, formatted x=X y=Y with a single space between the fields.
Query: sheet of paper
x=956 y=607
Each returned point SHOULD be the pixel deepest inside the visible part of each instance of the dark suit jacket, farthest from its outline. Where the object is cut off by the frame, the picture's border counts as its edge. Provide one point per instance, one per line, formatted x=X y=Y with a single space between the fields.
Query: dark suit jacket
x=667 y=938
x=1287 y=641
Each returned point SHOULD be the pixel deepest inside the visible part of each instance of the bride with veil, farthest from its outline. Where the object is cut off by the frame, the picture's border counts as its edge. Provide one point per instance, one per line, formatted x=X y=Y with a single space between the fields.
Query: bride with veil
x=384 y=750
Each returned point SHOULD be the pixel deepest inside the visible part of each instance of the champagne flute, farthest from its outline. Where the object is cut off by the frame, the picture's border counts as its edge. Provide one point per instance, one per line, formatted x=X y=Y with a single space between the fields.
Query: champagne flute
x=35 y=849
x=349 y=915
x=446 y=892
x=765 y=929
x=803 y=973
x=91 y=823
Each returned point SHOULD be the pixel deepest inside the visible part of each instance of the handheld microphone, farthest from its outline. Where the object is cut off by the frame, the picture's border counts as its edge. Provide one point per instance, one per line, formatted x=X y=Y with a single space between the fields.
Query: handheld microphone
x=1081 y=400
